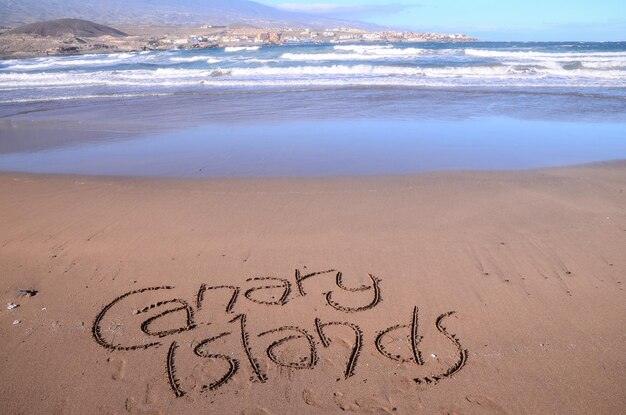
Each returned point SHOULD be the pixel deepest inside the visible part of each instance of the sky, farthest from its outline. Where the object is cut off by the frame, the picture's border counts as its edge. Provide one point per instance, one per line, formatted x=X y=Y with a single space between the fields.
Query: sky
x=486 y=19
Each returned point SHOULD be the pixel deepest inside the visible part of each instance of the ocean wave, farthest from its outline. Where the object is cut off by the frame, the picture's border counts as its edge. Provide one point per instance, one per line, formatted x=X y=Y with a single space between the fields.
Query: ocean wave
x=172 y=87
x=340 y=54
x=198 y=58
x=532 y=55
x=358 y=53
x=382 y=54
x=326 y=70
x=617 y=65
x=190 y=59
x=53 y=64
x=362 y=48
x=383 y=50
x=86 y=62
x=310 y=66
x=83 y=61
x=496 y=70
x=509 y=53
x=79 y=97
x=257 y=60
x=359 y=74
x=573 y=63
x=241 y=48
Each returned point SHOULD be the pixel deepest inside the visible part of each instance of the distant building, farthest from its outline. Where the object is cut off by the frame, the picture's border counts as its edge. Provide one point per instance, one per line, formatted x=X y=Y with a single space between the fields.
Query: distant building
x=210 y=26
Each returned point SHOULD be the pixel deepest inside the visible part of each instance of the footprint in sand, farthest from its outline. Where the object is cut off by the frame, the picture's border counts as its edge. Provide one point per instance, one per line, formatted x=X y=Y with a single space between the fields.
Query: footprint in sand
x=120 y=368
x=486 y=405
x=367 y=405
x=311 y=399
x=135 y=408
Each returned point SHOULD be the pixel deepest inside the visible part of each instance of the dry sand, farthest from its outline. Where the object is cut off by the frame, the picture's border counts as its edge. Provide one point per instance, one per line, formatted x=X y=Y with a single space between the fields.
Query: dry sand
x=532 y=263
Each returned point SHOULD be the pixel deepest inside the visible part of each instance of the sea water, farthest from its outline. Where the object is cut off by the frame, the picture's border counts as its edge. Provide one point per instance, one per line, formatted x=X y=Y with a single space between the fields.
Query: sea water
x=582 y=67
x=324 y=109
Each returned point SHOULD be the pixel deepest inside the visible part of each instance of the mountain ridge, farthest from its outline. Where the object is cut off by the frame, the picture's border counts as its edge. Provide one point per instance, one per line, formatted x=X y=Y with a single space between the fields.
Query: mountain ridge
x=163 y=12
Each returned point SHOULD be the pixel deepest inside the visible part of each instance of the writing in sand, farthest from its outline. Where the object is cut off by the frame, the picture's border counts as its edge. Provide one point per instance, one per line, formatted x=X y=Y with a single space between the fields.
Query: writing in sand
x=162 y=321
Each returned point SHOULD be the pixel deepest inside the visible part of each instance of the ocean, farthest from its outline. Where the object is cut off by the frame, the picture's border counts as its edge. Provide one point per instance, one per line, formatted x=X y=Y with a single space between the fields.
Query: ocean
x=550 y=67
x=565 y=101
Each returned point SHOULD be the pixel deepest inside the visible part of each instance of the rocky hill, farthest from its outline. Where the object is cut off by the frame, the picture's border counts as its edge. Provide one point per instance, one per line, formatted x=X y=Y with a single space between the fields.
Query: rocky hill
x=62 y=27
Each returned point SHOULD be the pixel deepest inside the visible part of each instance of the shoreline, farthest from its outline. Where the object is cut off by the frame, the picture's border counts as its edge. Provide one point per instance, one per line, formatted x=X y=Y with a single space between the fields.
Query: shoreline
x=530 y=262
x=376 y=177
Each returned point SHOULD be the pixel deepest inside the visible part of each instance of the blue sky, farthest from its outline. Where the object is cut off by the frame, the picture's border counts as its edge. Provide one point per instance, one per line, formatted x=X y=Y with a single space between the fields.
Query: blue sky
x=486 y=19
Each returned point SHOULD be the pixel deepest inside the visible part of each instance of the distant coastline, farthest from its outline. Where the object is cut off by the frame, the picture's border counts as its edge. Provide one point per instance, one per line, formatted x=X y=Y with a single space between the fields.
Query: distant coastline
x=16 y=43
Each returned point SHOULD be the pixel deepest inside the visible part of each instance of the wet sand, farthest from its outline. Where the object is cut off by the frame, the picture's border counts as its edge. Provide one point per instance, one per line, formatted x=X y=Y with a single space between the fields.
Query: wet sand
x=467 y=293
x=331 y=148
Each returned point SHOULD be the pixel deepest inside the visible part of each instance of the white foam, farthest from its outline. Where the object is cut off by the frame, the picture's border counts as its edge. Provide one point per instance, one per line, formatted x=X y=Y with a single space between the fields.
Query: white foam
x=191 y=59
x=122 y=55
x=543 y=55
x=358 y=53
x=342 y=65
x=85 y=61
x=562 y=64
x=381 y=54
x=499 y=71
x=361 y=48
x=241 y=48
x=346 y=74
x=597 y=60
x=188 y=59
x=256 y=60
x=325 y=71
x=618 y=65
x=79 y=97
x=209 y=82
x=381 y=50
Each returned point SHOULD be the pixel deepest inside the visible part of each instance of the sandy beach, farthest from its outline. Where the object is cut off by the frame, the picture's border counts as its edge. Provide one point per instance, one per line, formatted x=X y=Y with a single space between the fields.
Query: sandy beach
x=457 y=292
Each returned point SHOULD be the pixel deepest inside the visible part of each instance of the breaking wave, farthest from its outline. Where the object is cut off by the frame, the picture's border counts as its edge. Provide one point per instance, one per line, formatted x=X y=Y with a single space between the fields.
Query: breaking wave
x=364 y=55
x=241 y=49
x=382 y=65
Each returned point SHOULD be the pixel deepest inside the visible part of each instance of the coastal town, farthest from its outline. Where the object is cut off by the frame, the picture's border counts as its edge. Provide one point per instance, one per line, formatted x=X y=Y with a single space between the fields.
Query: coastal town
x=73 y=36
x=223 y=36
